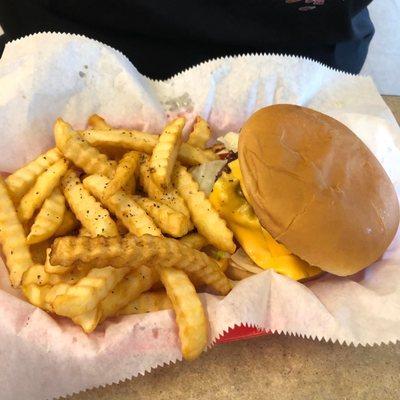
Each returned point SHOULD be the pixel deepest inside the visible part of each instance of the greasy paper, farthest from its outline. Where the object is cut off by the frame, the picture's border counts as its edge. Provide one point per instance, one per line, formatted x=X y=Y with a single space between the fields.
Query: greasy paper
x=49 y=75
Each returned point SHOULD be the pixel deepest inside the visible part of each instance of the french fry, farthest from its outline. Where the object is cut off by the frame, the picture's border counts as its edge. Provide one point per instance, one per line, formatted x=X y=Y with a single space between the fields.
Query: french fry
x=130 y=186
x=221 y=257
x=122 y=229
x=43 y=297
x=168 y=220
x=165 y=152
x=54 y=269
x=169 y=196
x=85 y=295
x=223 y=264
x=147 y=302
x=88 y=321
x=38 y=251
x=19 y=182
x=237 y=274
x=28 y=225
x=190 y=315
x=42 y=189
x=84 y=232
x=191 y=156
x=89 y=212
x=38 y=275
x=131 y=251
x=49 y=218
x=71 y=276
x=96 y=122
x=200 y=134
x=205 y=218
x=12 y=238
x=80 y=152
x=127 y=139
x=126 y=169
x=194 y=240
x=68 y=224
x=100 y=274
x=36 y=294
x=129 y=288
x=157 y=286
x=119 y=252
x=144 y=142
x=35 y=275
x=210 y=153
x=51 y=295
x=123 y=206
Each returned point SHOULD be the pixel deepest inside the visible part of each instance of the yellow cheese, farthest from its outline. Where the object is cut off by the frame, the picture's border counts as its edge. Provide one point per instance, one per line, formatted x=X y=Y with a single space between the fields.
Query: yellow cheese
x=228 y=199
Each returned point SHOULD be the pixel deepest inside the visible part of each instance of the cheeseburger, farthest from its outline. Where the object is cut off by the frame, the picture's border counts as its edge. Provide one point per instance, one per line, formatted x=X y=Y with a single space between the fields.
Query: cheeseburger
x=306 y=195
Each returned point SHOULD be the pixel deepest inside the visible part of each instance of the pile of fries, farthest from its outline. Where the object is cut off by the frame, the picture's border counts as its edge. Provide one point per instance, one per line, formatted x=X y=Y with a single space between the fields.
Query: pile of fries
x=111 y=222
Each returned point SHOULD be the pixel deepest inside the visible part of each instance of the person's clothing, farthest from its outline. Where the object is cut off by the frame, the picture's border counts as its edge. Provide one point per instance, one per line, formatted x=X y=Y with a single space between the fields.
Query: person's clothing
x=162 y=38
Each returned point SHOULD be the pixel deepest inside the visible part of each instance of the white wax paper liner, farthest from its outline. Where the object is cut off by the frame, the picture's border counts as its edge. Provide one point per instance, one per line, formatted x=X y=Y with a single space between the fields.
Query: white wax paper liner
x=49 y=75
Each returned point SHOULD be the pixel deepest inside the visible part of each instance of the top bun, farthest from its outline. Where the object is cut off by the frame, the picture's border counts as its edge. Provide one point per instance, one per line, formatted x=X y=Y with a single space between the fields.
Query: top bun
x=317 y=188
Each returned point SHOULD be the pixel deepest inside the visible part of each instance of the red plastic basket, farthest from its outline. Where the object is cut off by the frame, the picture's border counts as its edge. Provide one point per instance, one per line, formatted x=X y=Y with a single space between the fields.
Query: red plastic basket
x=241 y=333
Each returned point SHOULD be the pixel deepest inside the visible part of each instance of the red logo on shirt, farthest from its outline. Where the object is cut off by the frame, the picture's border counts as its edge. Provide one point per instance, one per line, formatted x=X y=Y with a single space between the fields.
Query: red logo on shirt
x=309 y=4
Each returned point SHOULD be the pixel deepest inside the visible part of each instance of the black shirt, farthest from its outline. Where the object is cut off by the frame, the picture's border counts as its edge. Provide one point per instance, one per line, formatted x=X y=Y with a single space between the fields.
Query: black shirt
x=164 y=37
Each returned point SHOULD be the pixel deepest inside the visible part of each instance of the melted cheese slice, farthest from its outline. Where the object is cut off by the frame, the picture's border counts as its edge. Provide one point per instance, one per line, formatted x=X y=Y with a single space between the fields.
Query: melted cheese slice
x=229 y=199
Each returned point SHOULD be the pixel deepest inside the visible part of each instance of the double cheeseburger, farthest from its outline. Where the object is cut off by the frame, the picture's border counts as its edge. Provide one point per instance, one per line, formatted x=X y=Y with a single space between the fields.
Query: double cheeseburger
x=306 y=195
